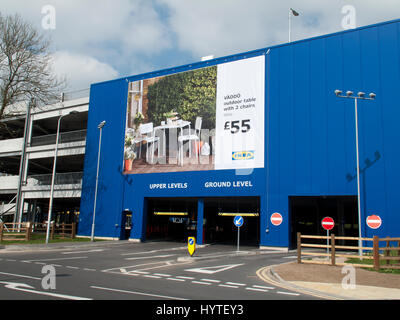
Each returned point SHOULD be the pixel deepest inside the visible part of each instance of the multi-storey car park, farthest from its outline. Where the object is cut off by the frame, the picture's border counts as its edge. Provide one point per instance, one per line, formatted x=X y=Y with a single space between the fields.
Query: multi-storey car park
x=185 y=149
x=261 y=134
x=27 y=153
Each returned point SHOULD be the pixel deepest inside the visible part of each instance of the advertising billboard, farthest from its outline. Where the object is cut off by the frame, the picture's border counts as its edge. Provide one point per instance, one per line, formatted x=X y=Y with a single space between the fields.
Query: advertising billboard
x=210 y=118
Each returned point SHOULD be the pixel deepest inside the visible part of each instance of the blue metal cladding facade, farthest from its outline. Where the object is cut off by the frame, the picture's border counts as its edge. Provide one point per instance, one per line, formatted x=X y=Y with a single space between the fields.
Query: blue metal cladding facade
x=309 y=136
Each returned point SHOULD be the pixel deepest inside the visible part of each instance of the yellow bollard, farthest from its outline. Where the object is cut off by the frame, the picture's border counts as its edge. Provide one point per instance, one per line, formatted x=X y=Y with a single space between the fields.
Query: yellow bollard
x=191 y=245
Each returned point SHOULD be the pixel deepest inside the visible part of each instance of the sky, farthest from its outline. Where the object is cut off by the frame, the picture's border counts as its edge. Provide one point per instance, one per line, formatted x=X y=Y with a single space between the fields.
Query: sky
x=99 y=40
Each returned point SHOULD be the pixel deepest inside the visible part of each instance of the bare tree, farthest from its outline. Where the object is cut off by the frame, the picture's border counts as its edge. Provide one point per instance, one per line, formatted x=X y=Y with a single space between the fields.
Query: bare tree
x=25 y=65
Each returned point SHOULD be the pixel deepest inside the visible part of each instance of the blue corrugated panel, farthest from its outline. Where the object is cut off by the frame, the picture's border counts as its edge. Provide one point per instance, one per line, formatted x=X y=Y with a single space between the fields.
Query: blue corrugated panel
x=309 y=134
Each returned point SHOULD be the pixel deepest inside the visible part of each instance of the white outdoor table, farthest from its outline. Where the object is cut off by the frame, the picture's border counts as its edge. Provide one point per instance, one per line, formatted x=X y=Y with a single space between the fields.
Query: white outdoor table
x=167 y=126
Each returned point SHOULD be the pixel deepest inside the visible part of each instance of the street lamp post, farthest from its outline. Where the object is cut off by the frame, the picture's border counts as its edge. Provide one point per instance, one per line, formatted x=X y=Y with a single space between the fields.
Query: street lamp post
x=295 y=13
x=100 y=127
x=54 y=175
x=360 y=95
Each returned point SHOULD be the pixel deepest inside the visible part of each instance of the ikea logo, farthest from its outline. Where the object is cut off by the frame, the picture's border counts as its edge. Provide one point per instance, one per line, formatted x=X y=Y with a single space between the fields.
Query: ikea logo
x=243 y=155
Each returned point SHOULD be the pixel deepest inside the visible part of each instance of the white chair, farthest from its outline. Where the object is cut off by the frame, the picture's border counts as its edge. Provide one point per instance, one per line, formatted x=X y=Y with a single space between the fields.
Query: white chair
x=190 y=137
x=147 y=134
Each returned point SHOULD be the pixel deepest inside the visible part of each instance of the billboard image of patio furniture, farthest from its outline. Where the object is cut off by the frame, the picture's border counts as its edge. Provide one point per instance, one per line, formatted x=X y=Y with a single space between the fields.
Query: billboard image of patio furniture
x=203 y=119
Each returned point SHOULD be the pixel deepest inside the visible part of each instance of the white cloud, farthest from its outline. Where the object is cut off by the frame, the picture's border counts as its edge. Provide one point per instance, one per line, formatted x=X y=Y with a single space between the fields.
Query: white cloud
x=81 y=70
x=127 y=26
x=224 y=27
x=144 y=35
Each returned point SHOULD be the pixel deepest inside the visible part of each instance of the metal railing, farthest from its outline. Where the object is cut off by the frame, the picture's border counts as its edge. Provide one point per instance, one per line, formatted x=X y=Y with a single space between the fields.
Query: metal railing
x=72 y=95
x=61 y=178
x=65 y=137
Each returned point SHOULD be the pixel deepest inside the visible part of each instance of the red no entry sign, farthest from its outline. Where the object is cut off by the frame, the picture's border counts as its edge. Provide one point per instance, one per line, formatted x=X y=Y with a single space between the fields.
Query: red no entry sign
x=276 y=219
x=374 y=221
x=328 y=223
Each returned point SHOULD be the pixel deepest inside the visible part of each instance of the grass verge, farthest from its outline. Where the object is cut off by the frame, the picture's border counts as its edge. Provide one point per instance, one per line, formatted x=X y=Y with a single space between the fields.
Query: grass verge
x=370 y=262
x=41 y=239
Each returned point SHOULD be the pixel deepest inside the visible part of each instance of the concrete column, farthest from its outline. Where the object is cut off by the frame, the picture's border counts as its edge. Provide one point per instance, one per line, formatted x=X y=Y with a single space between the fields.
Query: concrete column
x=139 y=220
x=200 y=218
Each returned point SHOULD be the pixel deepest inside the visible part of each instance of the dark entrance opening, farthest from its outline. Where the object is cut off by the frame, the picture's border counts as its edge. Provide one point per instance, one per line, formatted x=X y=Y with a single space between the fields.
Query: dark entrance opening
x=307 y=213
x=219 y=214
x=171 y=219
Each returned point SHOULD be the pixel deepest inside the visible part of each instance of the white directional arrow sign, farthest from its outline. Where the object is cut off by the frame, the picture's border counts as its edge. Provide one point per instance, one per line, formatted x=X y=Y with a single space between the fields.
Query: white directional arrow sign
x=16 y=285
x=213 y=269
x=27 y=288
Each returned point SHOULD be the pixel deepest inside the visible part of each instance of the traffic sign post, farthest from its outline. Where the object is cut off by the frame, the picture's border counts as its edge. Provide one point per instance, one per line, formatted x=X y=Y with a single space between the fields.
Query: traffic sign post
x=327 y=223
x=238 y=222
x=191 y=245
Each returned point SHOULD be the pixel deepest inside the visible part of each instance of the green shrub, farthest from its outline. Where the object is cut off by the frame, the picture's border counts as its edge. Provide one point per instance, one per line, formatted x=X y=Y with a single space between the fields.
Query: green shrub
x=191 y=94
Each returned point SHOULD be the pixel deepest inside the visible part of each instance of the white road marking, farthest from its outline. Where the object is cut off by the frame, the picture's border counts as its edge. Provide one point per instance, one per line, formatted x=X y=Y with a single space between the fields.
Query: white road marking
x=256 y=289
x=143 y=252
x=214 y=269
x=200 y=282
x=56 y=259
x=236 y=284
x=140 y=272
x=153 y=251
x=88 y=269
x=71 y=267
x=211 y=280
x=228 y=286
x=151 y=276
x=152 y=257
x=161 y=264
x=136 y=265
x=138 y=293
x=20 y=275
x=263 y=287
x=162 y=274
x=174 y=279
x=184 y=277
x=27 y=288
x=86 y=251
x=288 y=293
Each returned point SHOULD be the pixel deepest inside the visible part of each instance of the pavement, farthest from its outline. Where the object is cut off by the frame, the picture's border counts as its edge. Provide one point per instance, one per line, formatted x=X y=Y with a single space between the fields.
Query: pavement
x=321 y=281
x=330 y=282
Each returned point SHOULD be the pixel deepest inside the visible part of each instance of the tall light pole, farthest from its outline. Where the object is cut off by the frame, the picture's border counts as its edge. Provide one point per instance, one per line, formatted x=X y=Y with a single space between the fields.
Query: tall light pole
x=54 y=175
x=100 y=126
x=295 y=13
x=360 y=95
